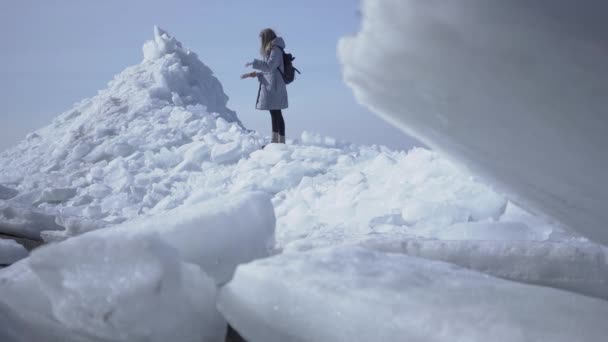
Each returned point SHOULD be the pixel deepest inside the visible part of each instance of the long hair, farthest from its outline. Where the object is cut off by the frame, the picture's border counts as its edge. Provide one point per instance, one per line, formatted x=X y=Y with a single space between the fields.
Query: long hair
x=266 y=37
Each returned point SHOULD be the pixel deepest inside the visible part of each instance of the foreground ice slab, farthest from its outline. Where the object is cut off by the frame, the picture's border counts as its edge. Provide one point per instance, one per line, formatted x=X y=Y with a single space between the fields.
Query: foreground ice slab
x=218 y=234
x=95 y=288
x=128 y=289
x=352 y=294
x=26 y=327
x=514 y=89
x=152 y=279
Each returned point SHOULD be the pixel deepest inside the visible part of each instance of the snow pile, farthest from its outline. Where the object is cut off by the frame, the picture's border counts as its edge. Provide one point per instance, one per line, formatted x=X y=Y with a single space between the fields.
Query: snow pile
x=181 y=78
x=151 y=279
x=11 y=251
x=513 y=89
x=352 y=294
x=127 y=151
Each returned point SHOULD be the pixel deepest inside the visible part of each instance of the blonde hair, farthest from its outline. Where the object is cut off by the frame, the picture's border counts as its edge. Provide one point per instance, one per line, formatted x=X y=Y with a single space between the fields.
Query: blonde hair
x=266 y=36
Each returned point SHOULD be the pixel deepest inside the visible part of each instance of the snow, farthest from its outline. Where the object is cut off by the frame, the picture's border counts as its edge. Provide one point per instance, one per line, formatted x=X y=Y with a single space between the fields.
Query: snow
x=7 y=193
x=352 y=294
x=56 y=195
x=225 y=153
x=151 y=194
x=11 y=251
x=183 y=78
x=77 y=225
x=511 y=89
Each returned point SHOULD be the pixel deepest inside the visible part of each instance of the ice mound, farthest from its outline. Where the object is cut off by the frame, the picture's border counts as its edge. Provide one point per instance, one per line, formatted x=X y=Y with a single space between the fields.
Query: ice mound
x=513 y=89
x=352 y=294
x=181 y=78
x=127 y=151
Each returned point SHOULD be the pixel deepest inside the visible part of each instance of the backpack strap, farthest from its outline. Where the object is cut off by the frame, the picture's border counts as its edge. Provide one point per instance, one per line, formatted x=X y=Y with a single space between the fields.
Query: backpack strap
x=283 y=57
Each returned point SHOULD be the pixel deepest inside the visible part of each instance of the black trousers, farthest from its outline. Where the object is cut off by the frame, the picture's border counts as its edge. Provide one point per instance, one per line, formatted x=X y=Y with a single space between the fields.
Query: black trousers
x=278 y=124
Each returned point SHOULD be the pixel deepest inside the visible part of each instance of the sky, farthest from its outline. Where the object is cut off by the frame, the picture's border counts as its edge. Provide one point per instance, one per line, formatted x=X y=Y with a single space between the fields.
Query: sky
x=57 y=52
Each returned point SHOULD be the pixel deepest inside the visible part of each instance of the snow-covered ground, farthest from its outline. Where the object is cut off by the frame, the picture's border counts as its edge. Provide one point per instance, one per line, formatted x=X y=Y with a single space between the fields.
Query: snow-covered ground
x=152 y=194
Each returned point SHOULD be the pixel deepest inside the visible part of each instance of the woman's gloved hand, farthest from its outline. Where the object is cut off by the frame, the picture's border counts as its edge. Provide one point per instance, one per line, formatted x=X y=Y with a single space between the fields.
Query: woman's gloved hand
x=251 y=74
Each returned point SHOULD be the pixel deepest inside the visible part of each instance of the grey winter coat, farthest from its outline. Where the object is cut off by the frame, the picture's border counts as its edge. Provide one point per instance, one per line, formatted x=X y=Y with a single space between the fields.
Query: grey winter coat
x=272 y=93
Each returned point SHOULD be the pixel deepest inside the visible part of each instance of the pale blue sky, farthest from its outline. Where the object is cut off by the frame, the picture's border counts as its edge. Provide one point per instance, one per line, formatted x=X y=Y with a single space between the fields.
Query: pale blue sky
x=57 y=52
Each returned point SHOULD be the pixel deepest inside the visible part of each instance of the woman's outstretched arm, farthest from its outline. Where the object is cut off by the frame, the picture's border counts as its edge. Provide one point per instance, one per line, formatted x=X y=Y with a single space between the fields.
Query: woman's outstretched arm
x=274 y=60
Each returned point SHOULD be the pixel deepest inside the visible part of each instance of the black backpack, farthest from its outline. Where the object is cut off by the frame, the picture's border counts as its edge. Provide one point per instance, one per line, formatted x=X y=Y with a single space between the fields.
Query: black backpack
x=290 y=71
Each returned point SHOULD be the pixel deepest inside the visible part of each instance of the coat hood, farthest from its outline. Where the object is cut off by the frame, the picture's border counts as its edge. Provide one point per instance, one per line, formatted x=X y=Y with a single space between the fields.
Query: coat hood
x=278 y=41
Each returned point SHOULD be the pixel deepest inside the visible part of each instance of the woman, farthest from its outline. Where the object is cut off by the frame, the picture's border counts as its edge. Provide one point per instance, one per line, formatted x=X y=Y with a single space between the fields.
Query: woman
x=272 y=93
